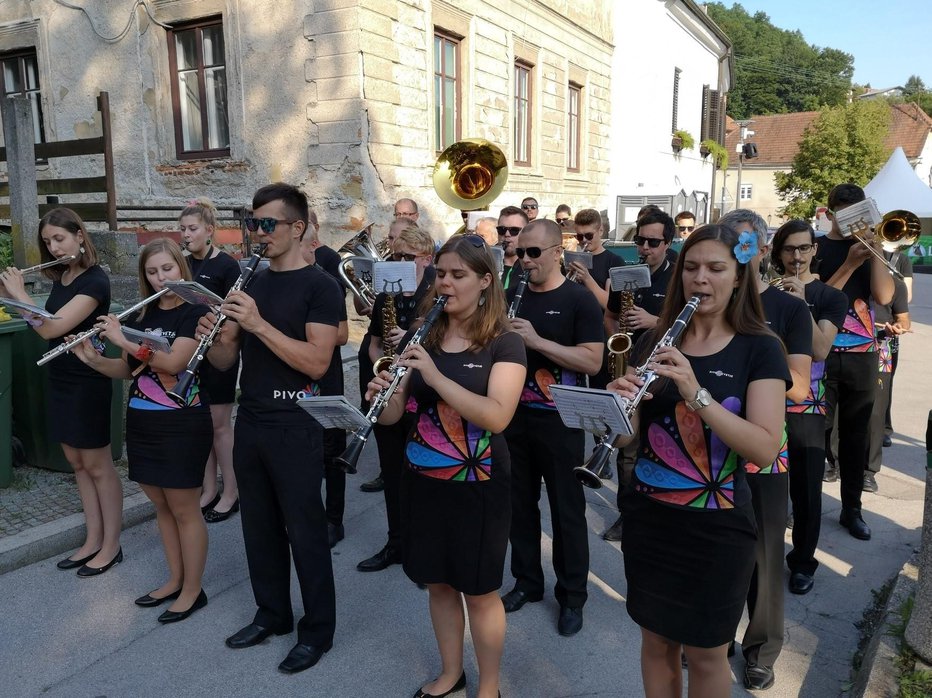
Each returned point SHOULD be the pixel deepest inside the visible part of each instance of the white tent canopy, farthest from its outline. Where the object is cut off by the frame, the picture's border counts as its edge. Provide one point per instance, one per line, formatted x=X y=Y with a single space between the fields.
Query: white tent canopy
x=897 y=186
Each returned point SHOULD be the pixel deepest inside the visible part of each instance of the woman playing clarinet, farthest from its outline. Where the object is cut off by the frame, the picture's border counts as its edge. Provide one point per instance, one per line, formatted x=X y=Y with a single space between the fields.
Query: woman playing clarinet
x=689 y=532
x=466 y=377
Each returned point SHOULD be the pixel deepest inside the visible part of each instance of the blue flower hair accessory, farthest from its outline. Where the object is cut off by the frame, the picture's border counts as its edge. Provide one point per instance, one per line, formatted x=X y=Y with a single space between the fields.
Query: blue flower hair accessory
x=746 y=249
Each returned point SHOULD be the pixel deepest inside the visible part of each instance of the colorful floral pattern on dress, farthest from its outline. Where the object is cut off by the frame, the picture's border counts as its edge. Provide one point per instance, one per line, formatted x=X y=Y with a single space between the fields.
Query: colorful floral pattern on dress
x=885 y=356
x=537 y=388
x=447 y=447
x=857 y=334
x=815 y=399
x=780 y=465
x=687 y=464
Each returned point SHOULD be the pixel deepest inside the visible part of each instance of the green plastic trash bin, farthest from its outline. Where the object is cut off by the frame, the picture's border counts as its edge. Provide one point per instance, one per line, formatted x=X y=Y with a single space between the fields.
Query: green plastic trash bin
x=8 y=331
x=30 y=390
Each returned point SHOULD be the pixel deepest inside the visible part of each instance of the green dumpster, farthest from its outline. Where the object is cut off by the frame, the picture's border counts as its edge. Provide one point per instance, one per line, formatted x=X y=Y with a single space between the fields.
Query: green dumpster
x=30 y=390
x=8 y=331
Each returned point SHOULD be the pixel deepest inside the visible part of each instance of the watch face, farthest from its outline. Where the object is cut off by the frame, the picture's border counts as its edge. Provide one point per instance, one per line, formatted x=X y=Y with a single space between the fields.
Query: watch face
x=704 y=397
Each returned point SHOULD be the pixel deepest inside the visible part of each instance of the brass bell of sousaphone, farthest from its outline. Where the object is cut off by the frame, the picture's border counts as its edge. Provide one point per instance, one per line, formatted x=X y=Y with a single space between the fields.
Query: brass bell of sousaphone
x=470 y=174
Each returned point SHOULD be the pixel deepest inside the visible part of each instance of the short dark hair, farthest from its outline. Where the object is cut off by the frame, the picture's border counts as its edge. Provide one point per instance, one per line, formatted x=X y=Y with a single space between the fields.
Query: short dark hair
x=563 y=208
x=294 y=199
x=684 y=214
x=657 y=216
x=588 y=216
x=648 y=208
x=513 y=211
x=529 y=198
x=845 y=195
x=791 y=227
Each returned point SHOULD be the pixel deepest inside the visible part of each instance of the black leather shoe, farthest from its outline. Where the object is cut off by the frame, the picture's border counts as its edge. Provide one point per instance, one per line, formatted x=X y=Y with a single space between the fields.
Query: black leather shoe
x=800 y=583
x=335 y=533
x=87 y=571
x=831 y=473
x=69 y=564
x=870 y=483
x=175 y=616
x=570 y=621
x=211 y=504
x=758 y=678
x=214 y=516
x=854 y=522
x=251 y=635
x=386 y=557
x=613 y=532
x=887 y=441
x=303 y=657
x=376 y=485
x=458 y=686
x=515 y=599
x=150 y=601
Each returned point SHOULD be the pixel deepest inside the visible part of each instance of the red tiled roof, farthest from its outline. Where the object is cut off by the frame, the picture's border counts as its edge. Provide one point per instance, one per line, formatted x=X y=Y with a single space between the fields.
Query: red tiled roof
x=777 y=135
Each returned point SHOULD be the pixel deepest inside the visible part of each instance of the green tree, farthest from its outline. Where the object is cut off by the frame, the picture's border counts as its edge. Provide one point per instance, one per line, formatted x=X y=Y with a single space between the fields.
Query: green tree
x=843 y=144
x=914 y=86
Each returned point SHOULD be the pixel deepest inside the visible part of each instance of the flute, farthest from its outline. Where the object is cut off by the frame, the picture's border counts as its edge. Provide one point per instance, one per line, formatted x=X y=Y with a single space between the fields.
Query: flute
x=46 y=265
x=94 y=331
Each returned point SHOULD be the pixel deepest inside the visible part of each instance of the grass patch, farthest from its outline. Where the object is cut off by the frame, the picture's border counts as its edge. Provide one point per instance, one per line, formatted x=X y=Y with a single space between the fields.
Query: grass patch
x=912 y=682
x=870 y=621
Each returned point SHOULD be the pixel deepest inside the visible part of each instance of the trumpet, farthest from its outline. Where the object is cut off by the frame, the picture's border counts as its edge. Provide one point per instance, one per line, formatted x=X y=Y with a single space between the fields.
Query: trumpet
x=46 y=265
x=348 y=459
x=594 y=470
x=179 y=393
x=93 y=332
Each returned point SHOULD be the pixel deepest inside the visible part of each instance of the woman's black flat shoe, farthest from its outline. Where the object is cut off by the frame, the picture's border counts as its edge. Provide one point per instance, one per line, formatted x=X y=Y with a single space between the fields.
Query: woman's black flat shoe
x=211 y=504
x=458 y=686
x=214 y=516
x=175 y=616
x=149 y=601
x=87 y=571
x=69 y=564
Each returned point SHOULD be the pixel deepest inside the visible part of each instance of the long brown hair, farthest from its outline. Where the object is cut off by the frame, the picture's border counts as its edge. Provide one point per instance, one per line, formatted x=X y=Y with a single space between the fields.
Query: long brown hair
x=154 y=247
x=489 y=320
x=67 y=219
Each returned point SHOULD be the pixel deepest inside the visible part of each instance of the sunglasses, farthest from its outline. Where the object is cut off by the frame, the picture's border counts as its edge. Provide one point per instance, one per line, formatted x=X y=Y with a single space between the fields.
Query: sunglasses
x=685 y=228
x=268 y=225
x=508 y=230
x=562 y=221
x=791 y=250
x=529 y=207
x=653 y=243
x=404 y=256
x=587 y=236
x=532 y=252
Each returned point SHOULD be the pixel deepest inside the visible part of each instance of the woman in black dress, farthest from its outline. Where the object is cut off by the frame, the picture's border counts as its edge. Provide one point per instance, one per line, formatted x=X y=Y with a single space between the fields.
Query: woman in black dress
x=166 y=444
x=78 y=408
x=689 y=531
x=216 y=271
x=455 y=493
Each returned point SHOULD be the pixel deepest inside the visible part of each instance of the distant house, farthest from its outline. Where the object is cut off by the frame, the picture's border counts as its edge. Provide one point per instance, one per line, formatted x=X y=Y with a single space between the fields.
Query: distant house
x=777 y=138
x=882 y=92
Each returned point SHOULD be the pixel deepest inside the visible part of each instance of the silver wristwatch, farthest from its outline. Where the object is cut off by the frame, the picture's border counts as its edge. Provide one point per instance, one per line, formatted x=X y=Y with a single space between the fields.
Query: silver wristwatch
x=703 y=399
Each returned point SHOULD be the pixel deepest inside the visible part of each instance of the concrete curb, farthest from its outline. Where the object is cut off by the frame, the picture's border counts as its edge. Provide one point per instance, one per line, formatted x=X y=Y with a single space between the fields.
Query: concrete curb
x=878 y=674
x=56 y=537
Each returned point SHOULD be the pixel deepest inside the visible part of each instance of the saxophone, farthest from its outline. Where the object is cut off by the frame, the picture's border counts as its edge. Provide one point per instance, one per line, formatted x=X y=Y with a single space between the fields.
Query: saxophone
x=389 y=323
x=619 y=344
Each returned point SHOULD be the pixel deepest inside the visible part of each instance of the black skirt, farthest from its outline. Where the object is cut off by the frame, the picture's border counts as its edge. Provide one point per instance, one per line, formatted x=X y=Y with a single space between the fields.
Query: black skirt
x=168 y=448
x=78 y=409
x=219 y=386
x=688 y=572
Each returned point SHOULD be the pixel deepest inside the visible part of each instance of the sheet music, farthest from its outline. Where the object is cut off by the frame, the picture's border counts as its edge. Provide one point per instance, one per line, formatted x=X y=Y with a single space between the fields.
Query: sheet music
x=858 y=218
x=629 y=277
x=334 y=412
x=192 y=292
x=583 y=258
x=26 y=309
x=155 y=342
x=498 y=256
x=395 y=277
x=362 y=269
x=592 y=410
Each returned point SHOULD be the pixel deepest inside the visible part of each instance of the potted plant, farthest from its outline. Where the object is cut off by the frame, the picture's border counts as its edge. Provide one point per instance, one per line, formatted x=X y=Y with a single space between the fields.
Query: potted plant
x=682 y=140
x=718 y=152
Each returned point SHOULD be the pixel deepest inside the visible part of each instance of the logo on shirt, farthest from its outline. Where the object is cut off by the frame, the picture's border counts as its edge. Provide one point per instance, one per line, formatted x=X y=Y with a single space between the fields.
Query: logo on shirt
x=471 y=365
x=552 y=312
x=311 y=390
x=721 y=373
x=159 y=332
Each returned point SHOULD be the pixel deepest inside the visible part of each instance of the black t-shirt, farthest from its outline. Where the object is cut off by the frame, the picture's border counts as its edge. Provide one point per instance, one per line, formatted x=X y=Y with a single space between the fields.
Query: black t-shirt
x=148 y=391
x=511 y=275
x=601 y=263
x=217 y=274
x=680 y=461
x=92 y=282
x=857 y=334
x=568 y=315
x=789 y=319
x=288 y=300
x=885 y=313
x=405 y=306
x=331 y=383
x=900 y=262
x=650 y=298
x=328 y=260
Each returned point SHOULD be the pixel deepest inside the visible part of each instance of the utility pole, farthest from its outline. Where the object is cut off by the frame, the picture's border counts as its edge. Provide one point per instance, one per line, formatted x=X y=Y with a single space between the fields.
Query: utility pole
x=743 y=149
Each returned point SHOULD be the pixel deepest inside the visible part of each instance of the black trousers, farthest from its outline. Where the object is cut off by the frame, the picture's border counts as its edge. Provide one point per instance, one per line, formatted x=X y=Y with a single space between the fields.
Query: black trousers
x=878 y=417
x=806 y=451
x=542 y=447
x=850 y=384
x=390 y=440
x=334 y=477
x=888 y=421
x=279 y=472
x=763 y=638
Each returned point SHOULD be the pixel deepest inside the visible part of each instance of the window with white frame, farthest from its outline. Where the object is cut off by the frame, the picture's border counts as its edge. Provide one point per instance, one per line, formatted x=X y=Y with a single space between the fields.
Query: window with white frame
x=19 y=77
x=746 y=191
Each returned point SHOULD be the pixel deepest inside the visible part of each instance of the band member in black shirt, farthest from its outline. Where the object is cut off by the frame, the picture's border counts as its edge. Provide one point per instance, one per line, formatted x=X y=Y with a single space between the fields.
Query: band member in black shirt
x=851 y=367
x=588 y=225
x=285 y=324
x=561 y=328
x=510 y=222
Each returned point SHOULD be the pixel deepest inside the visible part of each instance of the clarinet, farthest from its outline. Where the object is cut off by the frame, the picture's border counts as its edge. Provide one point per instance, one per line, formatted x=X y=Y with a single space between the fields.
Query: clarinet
x=179 y=393
x=519 y=294
x=591 y=473
x=348 y=459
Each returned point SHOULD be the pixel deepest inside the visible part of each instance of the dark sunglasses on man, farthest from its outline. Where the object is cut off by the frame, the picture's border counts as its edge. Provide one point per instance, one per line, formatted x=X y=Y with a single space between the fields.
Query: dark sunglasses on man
x=529 y=207
x=587 y=236
x=562 y=221
x=653 y=243
x=512 y=230
x=404 y=257
x=532 y=252
x=268 y=225
x=685 y=228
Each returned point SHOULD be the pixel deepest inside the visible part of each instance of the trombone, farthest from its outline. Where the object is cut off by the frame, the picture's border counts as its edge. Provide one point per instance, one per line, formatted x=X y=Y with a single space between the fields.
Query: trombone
x=897 y=229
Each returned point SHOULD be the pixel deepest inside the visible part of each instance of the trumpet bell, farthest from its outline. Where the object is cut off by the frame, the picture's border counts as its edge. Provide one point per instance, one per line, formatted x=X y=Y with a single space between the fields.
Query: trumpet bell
x=899 y=229
x=470 y=174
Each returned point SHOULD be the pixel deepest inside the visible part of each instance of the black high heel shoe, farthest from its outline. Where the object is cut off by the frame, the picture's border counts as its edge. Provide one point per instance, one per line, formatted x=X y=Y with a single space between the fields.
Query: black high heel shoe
x=88 y=571
x=69 y=564
x=214 y=516
x=458 y=686
x=175 y=616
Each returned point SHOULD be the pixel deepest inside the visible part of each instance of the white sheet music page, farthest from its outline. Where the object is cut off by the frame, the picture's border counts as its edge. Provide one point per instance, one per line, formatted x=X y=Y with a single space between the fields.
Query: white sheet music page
x=583 y=258
x=394 y=277
x=629 y=277
x=334 y=412
x=592 y=410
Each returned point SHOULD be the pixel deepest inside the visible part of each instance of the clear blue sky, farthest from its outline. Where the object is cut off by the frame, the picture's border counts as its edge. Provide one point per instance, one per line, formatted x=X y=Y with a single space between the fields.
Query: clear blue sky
x=889 y=39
